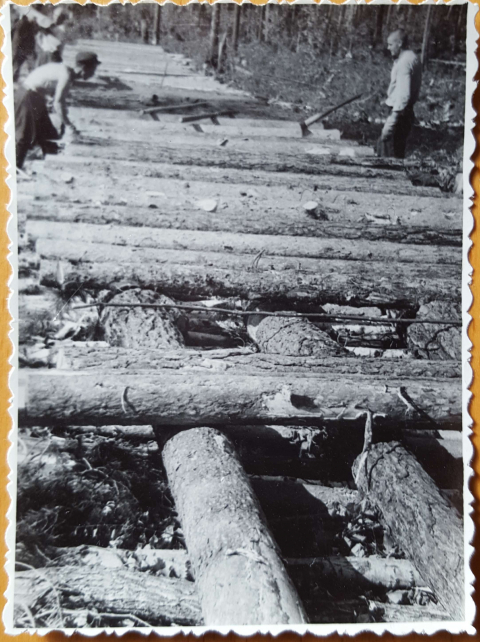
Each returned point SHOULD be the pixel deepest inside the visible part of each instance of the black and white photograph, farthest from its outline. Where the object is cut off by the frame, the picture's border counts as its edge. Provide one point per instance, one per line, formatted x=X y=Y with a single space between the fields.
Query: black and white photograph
x=239 y=240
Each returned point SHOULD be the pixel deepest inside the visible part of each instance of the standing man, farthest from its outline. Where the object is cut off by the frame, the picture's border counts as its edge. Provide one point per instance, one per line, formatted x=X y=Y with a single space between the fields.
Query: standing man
x=402 y=94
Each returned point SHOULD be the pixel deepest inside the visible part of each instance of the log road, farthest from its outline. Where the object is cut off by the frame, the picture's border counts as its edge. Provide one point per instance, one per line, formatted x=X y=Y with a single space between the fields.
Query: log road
x=246 y=209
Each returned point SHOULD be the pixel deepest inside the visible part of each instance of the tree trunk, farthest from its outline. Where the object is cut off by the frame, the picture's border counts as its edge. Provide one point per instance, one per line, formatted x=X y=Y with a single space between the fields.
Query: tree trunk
x=380 y=15
x=197 y=399
x=80 y=357
x=436 y=342
x=296 y=337
x=354 y=574
x=157 y=601
x=238 y=243
x=214 y=31
x=148 y=171
x=261 y=23
x=207 y=156
x=236 y=27
x=285 y=223
x=340 y=282
x=142 y=328
x=234 y=557
x=362 y=611
x=426 y=36
x=421 y=521
x=157 y=23
x=254 y=221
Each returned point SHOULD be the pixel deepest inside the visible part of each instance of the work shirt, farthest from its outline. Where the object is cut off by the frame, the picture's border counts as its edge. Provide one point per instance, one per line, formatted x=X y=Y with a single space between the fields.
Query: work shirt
x=52 y=80
x=405 y=81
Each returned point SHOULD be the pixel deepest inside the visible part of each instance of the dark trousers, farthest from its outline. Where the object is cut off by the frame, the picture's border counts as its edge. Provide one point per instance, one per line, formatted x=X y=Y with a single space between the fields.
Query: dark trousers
x=32 y=124
x=395 y=145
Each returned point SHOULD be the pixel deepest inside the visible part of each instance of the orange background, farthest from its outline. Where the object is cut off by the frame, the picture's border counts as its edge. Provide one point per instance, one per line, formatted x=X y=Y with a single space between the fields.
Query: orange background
x=6 y=350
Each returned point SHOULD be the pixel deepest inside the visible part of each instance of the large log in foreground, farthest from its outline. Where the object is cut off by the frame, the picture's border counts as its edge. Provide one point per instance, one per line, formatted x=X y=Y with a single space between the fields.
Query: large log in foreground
x=156 y=601
x=420 y=519
x=239 y=574
x=341 y=282
x=80 y=356
x=196 y=399
x=270 y=245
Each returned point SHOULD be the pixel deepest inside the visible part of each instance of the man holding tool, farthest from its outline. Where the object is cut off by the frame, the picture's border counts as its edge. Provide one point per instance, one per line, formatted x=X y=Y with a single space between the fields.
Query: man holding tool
x=402 y=94
x=33 y=124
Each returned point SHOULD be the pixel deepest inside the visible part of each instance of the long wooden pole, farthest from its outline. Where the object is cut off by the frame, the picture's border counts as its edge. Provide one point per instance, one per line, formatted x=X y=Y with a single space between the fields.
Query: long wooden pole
x=421 y=521
x=200 y=399
x=238 y=570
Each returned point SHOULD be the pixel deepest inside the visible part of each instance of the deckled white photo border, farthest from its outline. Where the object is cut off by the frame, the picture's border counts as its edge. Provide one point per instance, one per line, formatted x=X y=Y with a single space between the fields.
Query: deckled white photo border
x=468 y=450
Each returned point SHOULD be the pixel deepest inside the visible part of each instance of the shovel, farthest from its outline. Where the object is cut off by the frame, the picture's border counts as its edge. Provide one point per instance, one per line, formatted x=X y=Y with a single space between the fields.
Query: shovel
x=305 y=124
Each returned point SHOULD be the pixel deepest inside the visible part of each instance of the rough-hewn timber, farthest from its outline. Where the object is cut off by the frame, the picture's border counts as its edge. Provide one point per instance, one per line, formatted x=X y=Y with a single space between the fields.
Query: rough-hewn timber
x=198 y=399
x=421 y=521
x=78 y=356
x=274 y=279
x=289 y=223
x=215 y=156
x=238 y=570
x=235 y=176
x=142 y=328
x=237 y=243
x=155 y=600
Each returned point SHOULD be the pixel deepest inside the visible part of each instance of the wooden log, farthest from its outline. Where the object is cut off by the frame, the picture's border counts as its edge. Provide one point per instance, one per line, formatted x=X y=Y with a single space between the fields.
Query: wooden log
x=194 y=274
x=422 y=522
x=440 y=342
x=353 y=574
x=270 y=245
x=239 y=144
x=196 y=399
x=78 y=356
x=160 y=169
x=237 y=128
x=211 y=156
x=156 y=601
x=336 y=202
x=362 y=611
x=239 y=574
x=289 y=223
x=142 y=328
x=296 y=337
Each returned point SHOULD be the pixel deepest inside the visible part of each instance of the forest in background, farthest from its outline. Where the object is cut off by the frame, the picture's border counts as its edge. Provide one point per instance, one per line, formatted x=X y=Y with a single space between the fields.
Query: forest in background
x=309 y=58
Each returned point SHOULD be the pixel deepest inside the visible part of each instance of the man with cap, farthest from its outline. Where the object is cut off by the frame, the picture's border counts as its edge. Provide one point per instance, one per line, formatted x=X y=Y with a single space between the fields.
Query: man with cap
x=33 y=125
x=402 y=94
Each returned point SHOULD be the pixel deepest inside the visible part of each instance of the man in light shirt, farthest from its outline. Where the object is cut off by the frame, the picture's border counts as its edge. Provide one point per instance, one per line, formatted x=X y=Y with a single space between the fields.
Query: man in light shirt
x=402 y=94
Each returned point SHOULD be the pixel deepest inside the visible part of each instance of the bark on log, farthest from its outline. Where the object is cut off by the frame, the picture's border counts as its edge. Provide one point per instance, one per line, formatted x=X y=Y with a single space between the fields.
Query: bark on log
x=362 y=611
x=155 y=600
x=142 y=328
x=205 y=156
x=342 y=282
x=296 y=337
x=284 y=223
x=421 y=521
x=354 y=573
x=197 y=399
x=239 y=574
x=436 y=342
x=291 y=147
x=78 y=356
x=235 y=176
x=284 y=246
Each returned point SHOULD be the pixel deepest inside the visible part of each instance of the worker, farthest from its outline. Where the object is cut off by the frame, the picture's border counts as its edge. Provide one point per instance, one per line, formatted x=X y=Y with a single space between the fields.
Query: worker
x=33 y=125
x=402 y=94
